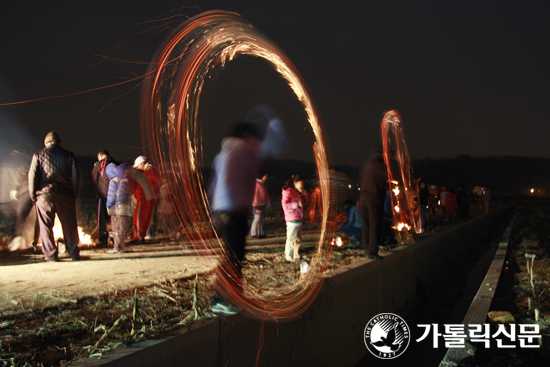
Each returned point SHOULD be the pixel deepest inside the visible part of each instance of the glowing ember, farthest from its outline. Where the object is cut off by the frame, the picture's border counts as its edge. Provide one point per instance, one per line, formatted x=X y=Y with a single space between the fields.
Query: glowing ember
x=337 y=241
x=402 y=226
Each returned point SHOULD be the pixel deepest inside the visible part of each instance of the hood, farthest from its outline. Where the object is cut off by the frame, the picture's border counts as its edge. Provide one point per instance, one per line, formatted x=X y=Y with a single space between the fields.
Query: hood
x=114 y=171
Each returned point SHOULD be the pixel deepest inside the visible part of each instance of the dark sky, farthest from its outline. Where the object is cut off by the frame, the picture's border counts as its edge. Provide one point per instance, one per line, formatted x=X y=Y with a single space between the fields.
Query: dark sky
x=468 y=77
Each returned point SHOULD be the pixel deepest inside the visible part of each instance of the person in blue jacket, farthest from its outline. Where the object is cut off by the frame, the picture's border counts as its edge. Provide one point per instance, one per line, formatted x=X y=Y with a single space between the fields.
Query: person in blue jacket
x=120 y=205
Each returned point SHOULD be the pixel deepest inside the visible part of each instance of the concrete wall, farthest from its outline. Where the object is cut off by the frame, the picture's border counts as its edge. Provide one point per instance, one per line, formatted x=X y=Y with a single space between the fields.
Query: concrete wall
x=330 y=332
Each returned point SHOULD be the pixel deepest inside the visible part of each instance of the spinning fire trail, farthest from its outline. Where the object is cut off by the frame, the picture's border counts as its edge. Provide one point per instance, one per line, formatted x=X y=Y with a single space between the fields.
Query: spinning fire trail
x=191 y=57
x=403 y=188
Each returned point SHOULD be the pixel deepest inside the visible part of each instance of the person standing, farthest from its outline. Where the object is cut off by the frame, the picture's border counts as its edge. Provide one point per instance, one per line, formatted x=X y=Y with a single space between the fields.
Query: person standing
x=442 y=197
x=423 y=196
x=15 y=201
x=294 y=197
x=374 y=184
x=259 y=206
x=144 y=207
x=123 y=181
x=486 y=199
x=231 y=195
x=450 y=205
x=461 y=203
x=53 y=186
x=101 y=181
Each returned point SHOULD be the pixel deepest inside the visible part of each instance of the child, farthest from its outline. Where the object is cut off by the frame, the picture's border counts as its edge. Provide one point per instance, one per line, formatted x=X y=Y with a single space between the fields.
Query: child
x=294 y=198
x=120 y=205
x=259 y=206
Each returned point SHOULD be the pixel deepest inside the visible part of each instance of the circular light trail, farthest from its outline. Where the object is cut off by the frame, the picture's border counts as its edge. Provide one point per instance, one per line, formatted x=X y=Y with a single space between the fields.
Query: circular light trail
x=404 y=191
x=191 y=57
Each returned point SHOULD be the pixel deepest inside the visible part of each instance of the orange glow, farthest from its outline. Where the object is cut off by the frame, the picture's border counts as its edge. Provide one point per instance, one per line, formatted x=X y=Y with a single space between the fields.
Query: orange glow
x=401 y=181
x=85 y=239
x=337 y=241
x=402 y=226
x=172 y=137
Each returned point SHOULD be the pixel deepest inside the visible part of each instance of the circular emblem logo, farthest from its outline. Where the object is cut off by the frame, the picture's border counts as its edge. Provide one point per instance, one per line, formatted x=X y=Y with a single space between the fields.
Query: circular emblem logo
x=387 y=336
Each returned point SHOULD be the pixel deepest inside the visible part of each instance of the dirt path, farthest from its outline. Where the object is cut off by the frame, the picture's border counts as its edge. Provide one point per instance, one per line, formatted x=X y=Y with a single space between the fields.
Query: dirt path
x=26 y=281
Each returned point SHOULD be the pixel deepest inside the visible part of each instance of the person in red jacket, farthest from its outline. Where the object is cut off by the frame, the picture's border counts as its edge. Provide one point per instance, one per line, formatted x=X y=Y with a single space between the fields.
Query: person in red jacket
x=144 y=208
x=450 y=206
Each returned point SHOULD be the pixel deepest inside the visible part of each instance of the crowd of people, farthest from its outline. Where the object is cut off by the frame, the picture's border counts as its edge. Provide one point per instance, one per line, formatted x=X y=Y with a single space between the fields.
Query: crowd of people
x=129 y=197
x=49 y=181
x=370 y=222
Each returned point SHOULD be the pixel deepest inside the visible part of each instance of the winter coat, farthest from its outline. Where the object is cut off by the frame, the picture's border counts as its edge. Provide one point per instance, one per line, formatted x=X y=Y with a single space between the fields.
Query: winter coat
x=142 y=189
x=100 y=177
x=53 y=173
x=374 y=179
x=291 y=208
x=450 y=202
x=260 y=196
x=234 y=180
x=424 y=194
x=153 y=176
x=124 y=181
x=119 y=192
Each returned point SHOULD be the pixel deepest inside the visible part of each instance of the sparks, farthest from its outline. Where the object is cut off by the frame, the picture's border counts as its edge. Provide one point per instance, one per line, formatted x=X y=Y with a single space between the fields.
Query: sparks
x=172 y=138
x=403 y=188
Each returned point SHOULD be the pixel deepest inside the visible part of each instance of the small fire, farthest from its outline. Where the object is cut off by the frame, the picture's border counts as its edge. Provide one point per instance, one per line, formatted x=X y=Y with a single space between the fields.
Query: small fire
x=85 y=239
x=401 y=226
x=337 y=241
x=396 y=208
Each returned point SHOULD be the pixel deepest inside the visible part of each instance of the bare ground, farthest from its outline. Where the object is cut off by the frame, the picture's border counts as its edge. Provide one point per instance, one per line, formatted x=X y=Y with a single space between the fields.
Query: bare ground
x=53 y=313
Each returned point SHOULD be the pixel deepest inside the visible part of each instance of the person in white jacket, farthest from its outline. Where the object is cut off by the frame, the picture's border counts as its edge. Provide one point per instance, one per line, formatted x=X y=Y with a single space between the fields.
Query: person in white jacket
x=231 y=195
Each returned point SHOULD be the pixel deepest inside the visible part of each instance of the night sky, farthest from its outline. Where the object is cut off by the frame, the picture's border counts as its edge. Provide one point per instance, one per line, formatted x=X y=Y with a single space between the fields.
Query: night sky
x=468 y=77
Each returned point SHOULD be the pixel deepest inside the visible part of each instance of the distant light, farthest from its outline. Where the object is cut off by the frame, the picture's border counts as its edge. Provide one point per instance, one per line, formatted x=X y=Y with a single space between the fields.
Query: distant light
x=349 y=186
x=532 y=191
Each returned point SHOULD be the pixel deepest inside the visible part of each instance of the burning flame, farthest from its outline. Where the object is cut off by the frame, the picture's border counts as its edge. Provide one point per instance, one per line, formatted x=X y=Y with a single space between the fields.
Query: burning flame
x=337 y=241
x=85 y=239
x=401 y=226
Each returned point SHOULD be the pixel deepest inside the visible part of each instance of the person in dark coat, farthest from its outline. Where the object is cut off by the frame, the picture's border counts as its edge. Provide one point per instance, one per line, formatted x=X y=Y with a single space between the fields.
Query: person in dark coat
x=374 y=184
x=53 y=186
x=462 y=203
x=101 y=181
x=423 y=195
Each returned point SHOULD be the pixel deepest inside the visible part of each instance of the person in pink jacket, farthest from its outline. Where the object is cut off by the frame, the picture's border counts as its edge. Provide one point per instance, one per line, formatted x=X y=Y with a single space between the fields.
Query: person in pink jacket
x=259 y=206
x=293 y=201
